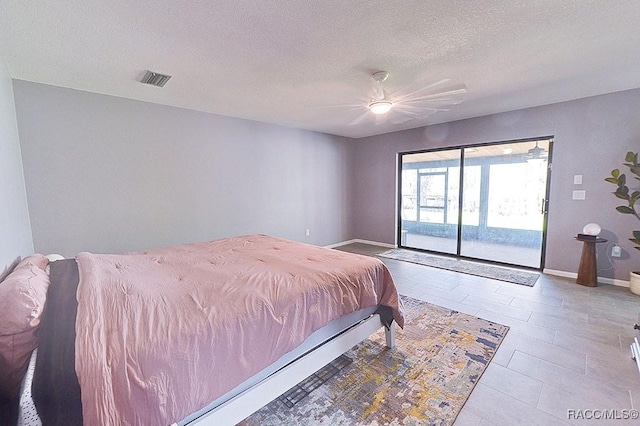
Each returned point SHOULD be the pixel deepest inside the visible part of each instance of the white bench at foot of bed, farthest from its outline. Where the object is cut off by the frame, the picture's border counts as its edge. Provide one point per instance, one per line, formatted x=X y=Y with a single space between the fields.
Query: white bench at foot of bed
x=248 y=402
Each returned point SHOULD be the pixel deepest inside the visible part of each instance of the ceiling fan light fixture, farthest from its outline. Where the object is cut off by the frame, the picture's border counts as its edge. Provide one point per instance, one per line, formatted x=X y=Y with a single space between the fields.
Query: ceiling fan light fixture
x=380 y=107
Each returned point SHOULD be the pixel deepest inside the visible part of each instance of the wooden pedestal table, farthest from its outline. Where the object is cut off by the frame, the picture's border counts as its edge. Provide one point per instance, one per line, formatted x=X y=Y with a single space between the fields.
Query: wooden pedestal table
x=588 y=271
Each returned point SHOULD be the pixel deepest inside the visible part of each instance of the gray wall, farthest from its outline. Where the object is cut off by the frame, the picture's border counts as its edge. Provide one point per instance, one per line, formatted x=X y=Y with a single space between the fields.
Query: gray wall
x=592 y=136
x=15 y=230
x=107 y=174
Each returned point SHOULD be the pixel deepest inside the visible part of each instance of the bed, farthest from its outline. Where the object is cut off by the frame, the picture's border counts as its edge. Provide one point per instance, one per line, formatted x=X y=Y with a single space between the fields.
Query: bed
x=203 y=333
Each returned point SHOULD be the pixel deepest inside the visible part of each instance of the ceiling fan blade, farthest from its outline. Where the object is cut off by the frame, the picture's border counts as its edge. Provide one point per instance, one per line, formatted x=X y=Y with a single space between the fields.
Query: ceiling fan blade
x=360 y=118
x=401 y=120
x=430 y=87
x=417 y=113
x=413 y=111
x=443 y=85
x=414 y=108
x=450 y=95
x=436 y=106
x=357 y=104
x=434 y=103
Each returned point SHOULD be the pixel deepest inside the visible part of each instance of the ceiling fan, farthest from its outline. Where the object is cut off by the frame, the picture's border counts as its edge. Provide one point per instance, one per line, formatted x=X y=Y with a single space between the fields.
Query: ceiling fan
x=402 y=107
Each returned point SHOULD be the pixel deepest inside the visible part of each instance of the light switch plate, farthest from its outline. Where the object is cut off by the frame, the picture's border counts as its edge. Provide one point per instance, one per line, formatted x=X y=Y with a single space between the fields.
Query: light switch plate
x=577 y=179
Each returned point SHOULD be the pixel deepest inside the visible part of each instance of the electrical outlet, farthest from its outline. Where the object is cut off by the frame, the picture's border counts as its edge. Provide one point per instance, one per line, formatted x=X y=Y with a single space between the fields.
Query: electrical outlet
x=306 y=232
x=616 y=251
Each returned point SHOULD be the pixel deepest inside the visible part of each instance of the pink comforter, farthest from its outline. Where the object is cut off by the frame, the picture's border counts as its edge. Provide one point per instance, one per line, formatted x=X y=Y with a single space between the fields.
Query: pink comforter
x=159 y=334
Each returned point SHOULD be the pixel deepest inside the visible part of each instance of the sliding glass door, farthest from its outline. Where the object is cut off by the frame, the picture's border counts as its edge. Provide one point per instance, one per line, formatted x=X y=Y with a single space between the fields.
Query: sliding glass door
x=484 y=202
x=429 y=206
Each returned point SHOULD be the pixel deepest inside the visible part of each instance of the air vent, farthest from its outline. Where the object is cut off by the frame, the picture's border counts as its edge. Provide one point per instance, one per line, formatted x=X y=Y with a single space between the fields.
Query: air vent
x=155 y=79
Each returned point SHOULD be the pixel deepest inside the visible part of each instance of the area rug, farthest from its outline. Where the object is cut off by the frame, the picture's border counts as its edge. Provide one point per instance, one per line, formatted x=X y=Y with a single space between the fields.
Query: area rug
x=472 y=268
x=425 y=380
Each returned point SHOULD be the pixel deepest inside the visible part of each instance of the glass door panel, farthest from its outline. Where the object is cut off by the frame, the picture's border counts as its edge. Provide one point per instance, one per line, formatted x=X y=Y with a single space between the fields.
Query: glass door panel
x=471 y=196
x=432 y=197
x=511 y=201
x=429 y=201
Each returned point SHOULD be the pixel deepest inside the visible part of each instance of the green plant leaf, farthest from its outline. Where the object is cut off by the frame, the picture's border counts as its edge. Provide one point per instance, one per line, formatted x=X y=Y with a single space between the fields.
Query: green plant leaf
x=621 y=196
x=622 y=180
x=622 y=192
x=625 y=210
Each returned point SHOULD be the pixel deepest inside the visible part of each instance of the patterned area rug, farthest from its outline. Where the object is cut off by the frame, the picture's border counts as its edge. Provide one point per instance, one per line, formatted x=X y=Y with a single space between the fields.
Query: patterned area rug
x=425 y=380
x=472 y=268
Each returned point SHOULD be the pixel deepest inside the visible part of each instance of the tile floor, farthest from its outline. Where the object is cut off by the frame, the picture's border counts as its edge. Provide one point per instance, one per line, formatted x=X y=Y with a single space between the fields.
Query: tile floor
x=567 y=349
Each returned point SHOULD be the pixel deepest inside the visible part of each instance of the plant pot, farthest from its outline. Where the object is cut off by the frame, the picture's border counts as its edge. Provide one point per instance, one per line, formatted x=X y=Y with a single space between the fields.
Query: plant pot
x=634 y=282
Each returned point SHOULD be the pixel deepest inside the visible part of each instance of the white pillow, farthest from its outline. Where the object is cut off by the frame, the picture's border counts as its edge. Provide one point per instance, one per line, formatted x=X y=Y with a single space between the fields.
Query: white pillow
x=54 y=257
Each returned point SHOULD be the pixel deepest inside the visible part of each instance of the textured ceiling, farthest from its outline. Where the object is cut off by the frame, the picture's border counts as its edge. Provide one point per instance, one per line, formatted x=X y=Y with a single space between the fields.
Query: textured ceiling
x=307 y=64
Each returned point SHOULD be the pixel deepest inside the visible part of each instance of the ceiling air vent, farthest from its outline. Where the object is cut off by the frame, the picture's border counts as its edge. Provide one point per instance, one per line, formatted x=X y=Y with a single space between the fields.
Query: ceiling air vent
x=155 y=79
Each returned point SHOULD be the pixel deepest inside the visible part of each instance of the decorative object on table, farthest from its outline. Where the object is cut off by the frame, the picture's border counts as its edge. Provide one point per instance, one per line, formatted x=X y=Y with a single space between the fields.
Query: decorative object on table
x=623 y=192
x=592 y=229
x=438 y=359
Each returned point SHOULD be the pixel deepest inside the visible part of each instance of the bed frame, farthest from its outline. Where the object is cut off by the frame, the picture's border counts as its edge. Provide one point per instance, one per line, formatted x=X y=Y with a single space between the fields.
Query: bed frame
x=246 y=403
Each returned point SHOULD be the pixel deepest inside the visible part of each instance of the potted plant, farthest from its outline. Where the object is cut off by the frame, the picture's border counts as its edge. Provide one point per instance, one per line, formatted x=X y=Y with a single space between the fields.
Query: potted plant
x=623 y=192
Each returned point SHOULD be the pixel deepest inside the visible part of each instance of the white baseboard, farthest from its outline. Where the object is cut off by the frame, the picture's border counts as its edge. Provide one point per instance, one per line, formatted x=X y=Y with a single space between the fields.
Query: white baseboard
x=603 y=280
x=560 y=273
x=373 y=243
